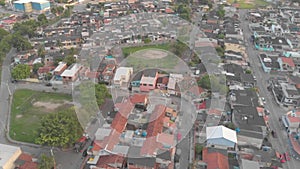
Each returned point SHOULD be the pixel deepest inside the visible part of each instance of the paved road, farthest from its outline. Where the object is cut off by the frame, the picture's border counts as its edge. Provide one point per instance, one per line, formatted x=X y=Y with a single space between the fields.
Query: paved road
x=281 y=143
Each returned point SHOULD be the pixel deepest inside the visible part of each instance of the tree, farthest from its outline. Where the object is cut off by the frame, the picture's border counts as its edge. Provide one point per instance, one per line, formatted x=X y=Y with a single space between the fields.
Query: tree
x=36 y=67
x=54 y=10
x=220 y=51
x=59 y=129
x=19 y=42
x=204 y=82
x=221 y=36
x=248 y=71
x=214 y=83
x=46 y=162
x=69 y=60
x=41 y=51
x=147 y=40
x=42 y=19
x=21 y=71
x=198 y=149
x=221 y=12
x=3 y=33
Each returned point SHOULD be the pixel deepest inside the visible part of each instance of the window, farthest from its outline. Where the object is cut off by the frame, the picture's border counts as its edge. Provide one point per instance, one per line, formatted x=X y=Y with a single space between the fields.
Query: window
x=144 y=84
x=150 y=84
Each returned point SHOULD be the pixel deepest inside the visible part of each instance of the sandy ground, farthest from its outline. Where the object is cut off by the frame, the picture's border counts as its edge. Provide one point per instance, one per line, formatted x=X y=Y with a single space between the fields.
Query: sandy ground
x=152 y=54
x=48 y=105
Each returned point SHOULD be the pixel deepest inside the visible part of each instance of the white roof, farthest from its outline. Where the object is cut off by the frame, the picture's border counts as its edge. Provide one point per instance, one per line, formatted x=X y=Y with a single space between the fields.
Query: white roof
x=221 y=132
x=121 y=71
x=60 y=66
x=7 y=152
x=101 y=133
x=72 y=70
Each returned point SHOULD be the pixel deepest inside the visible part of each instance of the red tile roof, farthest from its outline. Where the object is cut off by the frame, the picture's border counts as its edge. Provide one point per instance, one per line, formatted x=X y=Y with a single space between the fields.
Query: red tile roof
x=119 y=123
x=293 y=119
x=155 y=125
x=97 y=145
x=196 y=90
x=92 y=74
x=288 y=61
x=29 y=165
x=214 y=112
x=215 y=160
x=166 y=139
x=125 y=108
x=169 y=10
x=138 y=98
x=25 y=157
x=109 y=160
x=150 y=146
x=44 y=69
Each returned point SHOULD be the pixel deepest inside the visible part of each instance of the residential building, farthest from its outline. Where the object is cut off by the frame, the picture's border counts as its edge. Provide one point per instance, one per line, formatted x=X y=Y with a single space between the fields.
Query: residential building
x=8 y=155
x=220 y=136
x=214 y=159
x=122 y=76
x=290 y=93
x=148 y=81
x=71 y=74
x=173 y=87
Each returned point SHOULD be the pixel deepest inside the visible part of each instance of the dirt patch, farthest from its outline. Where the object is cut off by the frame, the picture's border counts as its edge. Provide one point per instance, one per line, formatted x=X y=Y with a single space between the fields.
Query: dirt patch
x=48 y=105
x=152 y=54
x=19 y=116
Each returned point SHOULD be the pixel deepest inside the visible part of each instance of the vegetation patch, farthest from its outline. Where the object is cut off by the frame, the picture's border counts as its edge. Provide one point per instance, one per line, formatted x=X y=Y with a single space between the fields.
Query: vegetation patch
x=26 y=116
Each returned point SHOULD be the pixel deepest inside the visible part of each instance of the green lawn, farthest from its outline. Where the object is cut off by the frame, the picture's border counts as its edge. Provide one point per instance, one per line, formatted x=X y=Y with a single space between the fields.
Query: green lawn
x=138 y=62
x=25 y=117
x=129 y=50
x=244 y=5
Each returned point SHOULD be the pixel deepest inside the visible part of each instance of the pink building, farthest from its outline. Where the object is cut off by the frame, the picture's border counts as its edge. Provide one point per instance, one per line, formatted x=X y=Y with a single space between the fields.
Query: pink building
x=148 y=81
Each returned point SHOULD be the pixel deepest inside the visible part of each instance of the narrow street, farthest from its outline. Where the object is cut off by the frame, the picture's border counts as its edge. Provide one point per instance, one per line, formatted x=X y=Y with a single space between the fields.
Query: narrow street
x=280 y=143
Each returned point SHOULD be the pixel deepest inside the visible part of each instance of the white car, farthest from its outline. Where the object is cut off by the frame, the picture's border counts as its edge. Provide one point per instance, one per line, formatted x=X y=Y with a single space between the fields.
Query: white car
x=263 y=100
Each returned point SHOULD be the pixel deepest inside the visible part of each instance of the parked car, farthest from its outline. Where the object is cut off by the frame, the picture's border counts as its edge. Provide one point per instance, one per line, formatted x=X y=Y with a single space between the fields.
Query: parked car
x=263 y=100
x=273 y=134
x=267 y=112
x=48 y=84
x=287 y=156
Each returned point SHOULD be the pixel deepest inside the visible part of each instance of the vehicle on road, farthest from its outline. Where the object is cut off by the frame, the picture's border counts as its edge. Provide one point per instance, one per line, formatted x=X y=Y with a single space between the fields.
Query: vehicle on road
x=48 y=84
x=80 y=144
x=274 y=134
x=264 y=100
x=281 y=157
x=287 y=156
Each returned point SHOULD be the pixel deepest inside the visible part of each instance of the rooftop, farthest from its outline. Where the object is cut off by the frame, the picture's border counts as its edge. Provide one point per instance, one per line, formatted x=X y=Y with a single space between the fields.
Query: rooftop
x=7 y=152
x=215 y=159
x=221 y=132
x=71 y=70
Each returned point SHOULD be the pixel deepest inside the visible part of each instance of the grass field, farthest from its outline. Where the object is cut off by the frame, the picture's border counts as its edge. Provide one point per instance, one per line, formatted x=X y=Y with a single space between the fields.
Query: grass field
x=129 y=50
x=249 y=4
x=28 y=107
x=140 y=61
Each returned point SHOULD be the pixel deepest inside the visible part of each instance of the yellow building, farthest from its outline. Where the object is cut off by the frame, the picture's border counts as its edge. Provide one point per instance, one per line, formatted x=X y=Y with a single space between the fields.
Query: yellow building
x=8 y=155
